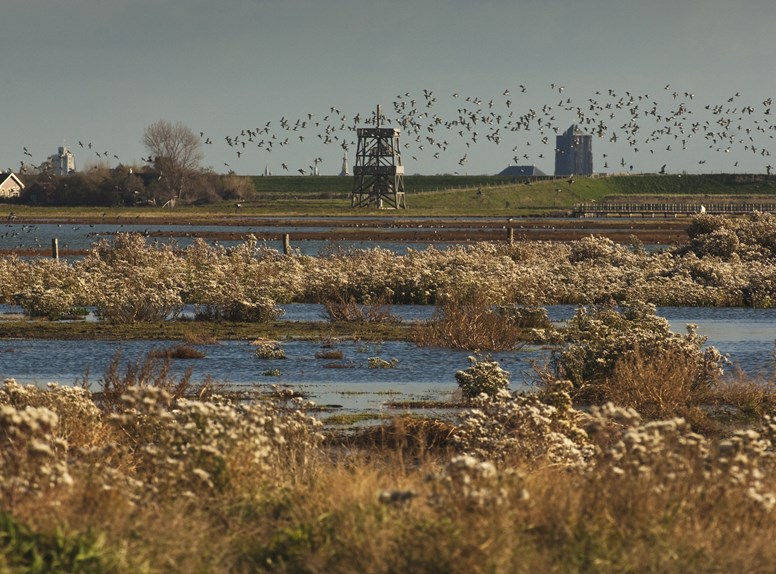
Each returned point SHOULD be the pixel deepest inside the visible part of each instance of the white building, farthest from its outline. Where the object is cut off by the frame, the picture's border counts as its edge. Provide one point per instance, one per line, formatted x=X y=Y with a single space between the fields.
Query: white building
x=345 y=169
x=10 y=185
x=63 y=163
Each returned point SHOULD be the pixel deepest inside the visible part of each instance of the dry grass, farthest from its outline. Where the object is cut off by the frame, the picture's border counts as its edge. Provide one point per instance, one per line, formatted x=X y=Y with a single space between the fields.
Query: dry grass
x=398 y=497
x=330 y=354
x=147 y=371
x=409 y=436
x=664 y=385
x=177 y=352
x=192 y=338
x=657 y=386
x=472 y=325
x=345 y=308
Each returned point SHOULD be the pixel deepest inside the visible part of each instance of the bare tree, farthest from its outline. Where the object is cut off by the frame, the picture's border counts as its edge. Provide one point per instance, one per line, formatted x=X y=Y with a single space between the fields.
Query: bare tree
x=176 y=151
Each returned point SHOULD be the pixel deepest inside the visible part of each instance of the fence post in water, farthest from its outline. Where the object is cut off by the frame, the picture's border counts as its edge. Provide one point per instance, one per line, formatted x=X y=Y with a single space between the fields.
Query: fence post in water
x=55 y=249
x=286 y=243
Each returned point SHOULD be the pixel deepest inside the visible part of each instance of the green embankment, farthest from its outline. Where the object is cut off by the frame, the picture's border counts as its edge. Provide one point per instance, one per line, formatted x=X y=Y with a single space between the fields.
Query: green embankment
x=494 y=195
x=446 y=195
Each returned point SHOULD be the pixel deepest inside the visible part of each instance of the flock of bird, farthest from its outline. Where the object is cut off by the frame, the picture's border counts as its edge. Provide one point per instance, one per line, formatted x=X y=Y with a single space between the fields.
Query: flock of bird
x=455 y=127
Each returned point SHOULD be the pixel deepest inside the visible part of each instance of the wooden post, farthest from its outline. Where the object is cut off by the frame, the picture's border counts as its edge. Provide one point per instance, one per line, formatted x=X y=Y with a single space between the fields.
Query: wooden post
x=511 y=235
x=286 y=243
x=55 y=249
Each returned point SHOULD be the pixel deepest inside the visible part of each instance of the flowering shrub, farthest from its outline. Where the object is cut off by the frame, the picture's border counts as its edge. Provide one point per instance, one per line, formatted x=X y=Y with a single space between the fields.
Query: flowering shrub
x=191 y=447
x=600 y=337
x=147 y=444
x=32 y=453
x=269 y=350
x=79 y=421
x=466 y=482
x=46 y=288
x=672 y=460
x=726 y=262
x=131 y=281
x=482 y=377
x=514 y=426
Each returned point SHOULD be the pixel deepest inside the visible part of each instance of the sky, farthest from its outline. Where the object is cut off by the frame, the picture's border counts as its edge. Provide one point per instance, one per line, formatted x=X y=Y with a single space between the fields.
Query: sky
x=280 y=85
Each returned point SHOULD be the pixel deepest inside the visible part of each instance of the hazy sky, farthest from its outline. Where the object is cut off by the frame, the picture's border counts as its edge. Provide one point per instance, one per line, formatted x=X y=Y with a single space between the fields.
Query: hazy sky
x=100 y=71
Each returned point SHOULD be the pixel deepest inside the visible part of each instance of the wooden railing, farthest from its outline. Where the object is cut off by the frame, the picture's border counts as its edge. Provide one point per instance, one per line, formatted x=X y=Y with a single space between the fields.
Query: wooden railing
x=618 y=209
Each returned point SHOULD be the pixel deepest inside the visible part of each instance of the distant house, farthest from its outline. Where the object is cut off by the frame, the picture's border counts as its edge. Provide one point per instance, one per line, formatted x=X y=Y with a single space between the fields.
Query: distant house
x=522 y=171
x=10 y=185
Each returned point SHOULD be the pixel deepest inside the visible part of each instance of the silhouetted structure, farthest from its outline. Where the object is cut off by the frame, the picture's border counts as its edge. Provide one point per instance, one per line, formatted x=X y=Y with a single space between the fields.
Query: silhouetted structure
x=522 y=170
x=378 y=173
x=574 y=152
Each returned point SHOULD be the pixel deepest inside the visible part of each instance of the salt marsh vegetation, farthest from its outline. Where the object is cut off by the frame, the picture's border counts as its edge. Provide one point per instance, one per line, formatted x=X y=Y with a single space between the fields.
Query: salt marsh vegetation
x=727 y=262
x=632 y=453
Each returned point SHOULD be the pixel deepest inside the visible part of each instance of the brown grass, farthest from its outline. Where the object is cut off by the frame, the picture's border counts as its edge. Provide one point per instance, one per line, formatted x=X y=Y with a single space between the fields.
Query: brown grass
x=177 y=352
x=330 y=354
x=377 y=501
x=662 y=386
x=656 y=386
x=472 y=325
x=340 y=307
x=192 y=338
x=410 y=435
x=147 y=371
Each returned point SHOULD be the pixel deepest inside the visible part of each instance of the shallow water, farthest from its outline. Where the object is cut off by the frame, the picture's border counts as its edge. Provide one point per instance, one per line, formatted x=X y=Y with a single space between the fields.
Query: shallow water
x=747 y=335
x=421 y=373
x=81 y=236
x=75 y=236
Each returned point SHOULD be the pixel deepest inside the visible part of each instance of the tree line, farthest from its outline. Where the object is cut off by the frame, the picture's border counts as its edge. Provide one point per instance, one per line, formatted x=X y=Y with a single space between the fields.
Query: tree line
x=171 y=174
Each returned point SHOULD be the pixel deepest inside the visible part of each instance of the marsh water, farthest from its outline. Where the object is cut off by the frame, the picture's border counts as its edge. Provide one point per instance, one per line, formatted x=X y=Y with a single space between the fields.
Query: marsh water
x=393 y=234
x=420 y=373
x=81 y=236
x=747 y=335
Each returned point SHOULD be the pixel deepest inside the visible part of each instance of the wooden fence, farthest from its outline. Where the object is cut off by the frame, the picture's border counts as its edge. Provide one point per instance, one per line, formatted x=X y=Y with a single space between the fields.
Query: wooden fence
x=633 y=210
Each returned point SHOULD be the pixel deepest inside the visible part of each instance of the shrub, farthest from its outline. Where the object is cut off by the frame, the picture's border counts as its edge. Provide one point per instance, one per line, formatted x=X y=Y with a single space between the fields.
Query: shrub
x=525 y=428
x=378 y=363
x=474 y=325
x=658 y=386
x=482 y=377
x=341 y=307
x=270 y=350
x=260 y=310
x=32 y=460
x=177 y=352
x=600 y=337
x=147 y=371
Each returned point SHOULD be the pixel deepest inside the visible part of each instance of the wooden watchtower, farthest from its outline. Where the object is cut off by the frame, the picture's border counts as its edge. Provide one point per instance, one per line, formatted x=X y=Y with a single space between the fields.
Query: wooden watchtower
x=378 y=173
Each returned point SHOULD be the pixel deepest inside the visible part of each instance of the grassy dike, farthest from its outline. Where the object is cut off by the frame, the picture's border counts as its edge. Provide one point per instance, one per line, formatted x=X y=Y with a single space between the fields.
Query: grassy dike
x=430 y=196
